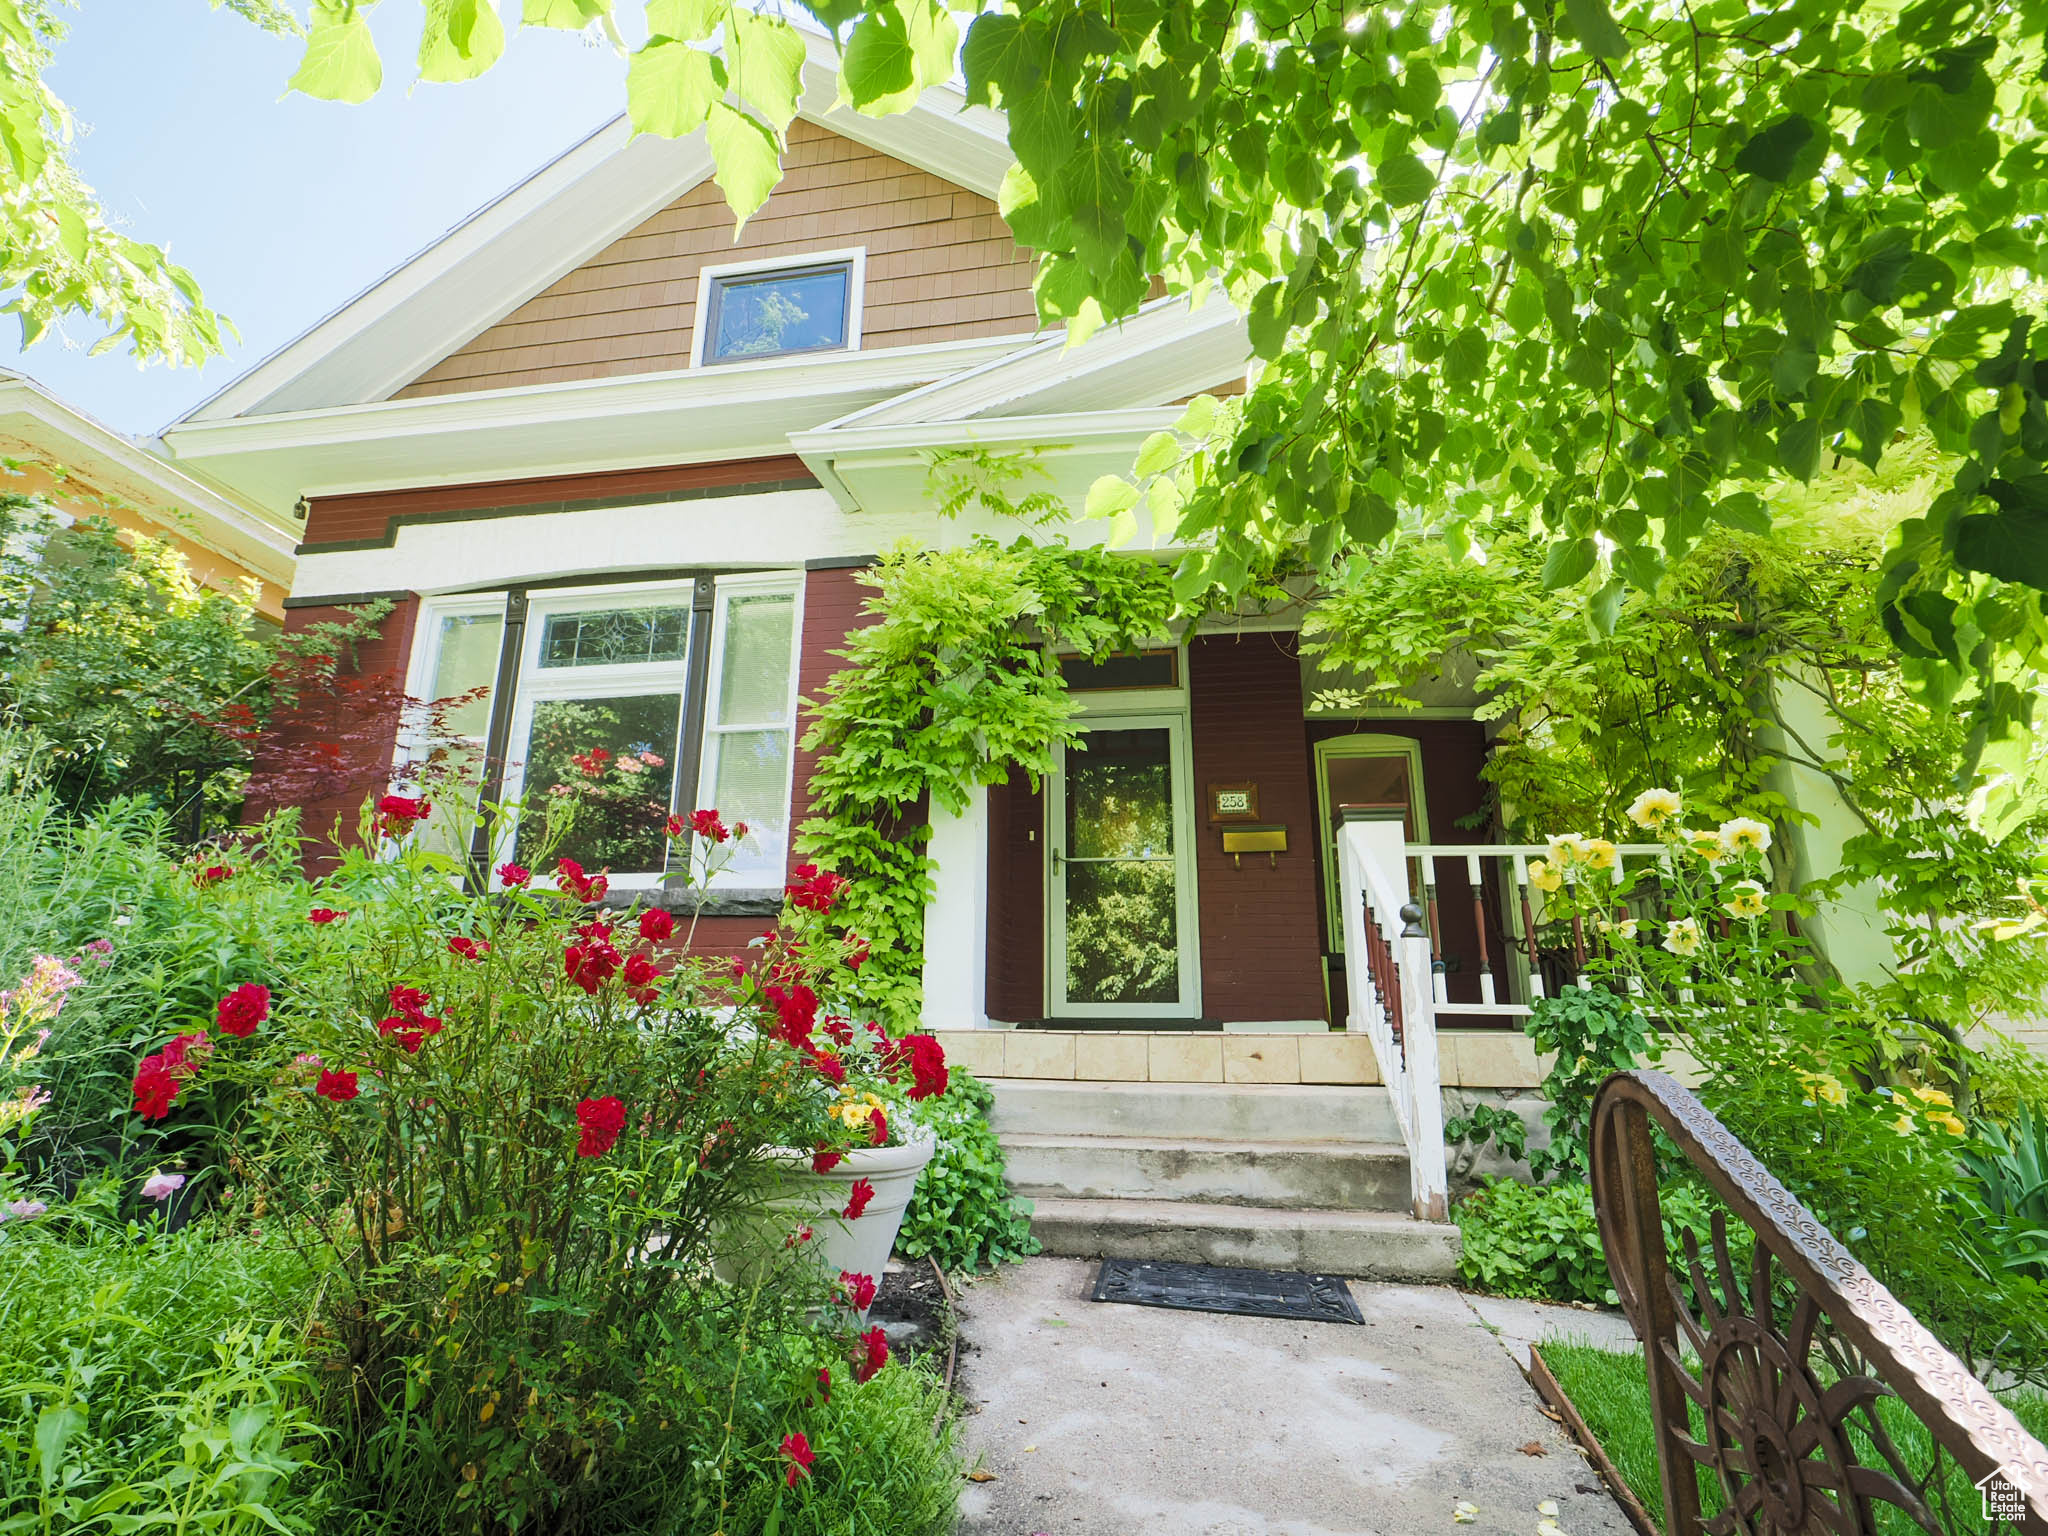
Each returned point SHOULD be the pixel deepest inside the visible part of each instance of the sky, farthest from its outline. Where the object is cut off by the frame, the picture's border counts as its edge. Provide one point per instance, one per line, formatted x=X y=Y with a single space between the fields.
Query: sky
x=284 y=207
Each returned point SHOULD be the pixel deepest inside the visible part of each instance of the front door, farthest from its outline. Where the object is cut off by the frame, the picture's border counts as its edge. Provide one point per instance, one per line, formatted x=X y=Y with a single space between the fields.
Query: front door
x=1122 y=874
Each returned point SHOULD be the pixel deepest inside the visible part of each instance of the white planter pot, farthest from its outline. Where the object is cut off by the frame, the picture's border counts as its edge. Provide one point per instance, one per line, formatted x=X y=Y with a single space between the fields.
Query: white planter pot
x=860 y=1246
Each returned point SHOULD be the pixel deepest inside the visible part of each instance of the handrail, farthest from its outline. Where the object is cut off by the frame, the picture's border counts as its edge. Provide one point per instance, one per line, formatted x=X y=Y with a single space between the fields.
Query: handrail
x=1776 y=1430
x=1392 y=1001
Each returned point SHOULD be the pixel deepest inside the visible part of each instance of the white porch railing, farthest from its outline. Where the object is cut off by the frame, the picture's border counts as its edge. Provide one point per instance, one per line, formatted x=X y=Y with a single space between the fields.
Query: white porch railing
x=1392 y=1000
x=1395 y=971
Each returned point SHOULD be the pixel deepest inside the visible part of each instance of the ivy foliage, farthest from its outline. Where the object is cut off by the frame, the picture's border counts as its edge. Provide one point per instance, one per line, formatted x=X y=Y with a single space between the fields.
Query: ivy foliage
x=952 y=686
x=1573 y=274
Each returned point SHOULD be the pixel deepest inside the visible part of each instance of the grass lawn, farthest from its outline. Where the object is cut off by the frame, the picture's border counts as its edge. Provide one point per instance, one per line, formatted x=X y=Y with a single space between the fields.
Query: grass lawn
x=1611 y=1394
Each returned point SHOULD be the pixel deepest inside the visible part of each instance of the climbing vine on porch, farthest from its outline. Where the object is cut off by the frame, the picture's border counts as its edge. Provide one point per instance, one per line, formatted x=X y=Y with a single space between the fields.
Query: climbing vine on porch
x=952 y=687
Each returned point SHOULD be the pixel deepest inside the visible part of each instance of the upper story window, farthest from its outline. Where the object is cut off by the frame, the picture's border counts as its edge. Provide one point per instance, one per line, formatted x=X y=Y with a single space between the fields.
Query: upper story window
x=749 y=312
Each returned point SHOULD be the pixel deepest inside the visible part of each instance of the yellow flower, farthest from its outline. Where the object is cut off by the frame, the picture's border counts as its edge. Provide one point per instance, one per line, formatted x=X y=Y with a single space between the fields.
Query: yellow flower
x=1601 y=854
x=1625 y=929
x=1742 y=836
x=1934 y=1096
x=1567 y=848
x=1948 y=1122
x=1654 y=807
x=1905 y=1124
x=1832 y=1091
x=1545 y=877
x=1746 y=899
x=1704 y=842
x=1682 y=937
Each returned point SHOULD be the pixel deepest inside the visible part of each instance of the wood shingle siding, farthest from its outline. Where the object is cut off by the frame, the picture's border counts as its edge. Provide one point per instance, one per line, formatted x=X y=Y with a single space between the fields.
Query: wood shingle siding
x=941 y=266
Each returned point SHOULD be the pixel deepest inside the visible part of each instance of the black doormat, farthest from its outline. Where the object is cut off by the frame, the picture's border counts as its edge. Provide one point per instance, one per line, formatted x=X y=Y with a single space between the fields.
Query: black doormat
x=1213 y=1288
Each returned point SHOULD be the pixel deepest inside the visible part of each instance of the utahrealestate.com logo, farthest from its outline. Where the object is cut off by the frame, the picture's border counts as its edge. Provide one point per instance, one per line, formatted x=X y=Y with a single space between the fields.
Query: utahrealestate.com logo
x=2003 y=1501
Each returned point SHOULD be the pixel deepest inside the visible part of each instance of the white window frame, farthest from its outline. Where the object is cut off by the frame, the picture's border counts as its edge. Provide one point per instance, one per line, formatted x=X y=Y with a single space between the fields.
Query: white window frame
x=776 y=583
x=425 y=660
x=533 y=683
x=856 y=288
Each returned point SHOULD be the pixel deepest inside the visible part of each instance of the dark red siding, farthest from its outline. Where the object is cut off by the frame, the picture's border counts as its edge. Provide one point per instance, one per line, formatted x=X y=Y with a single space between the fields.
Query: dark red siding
x=1016 y=901
x=833 y=603
x=334 y=748
x=1260 y=948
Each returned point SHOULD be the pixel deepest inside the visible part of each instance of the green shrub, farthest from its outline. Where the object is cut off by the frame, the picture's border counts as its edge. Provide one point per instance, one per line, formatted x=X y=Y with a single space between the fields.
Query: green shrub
x=145 y=1372
x=963 y=1214
x=1543 y=1242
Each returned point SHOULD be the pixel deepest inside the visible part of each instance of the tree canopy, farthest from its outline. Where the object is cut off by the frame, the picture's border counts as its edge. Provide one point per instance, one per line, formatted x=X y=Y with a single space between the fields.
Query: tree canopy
x=1579 y=272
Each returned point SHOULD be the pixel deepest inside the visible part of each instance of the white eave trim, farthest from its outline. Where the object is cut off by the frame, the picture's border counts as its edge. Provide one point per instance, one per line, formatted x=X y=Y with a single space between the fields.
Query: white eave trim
x=553 y=222
x=1165 y=351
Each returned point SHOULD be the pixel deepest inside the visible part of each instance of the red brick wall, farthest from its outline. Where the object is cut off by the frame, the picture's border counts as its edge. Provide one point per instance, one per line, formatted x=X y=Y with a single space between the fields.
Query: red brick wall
x=1260 y=946
x=1016 y=901
x=336 y=746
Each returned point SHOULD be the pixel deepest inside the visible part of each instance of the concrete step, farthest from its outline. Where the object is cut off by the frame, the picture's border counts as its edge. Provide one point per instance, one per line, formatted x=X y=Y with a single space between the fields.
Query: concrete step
x=1374 y=1245
x=1211 y=1111
x=1315 y=1175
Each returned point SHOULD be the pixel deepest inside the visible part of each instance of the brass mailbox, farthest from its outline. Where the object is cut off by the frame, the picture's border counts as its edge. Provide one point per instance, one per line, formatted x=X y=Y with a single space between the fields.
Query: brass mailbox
x=1269 y=840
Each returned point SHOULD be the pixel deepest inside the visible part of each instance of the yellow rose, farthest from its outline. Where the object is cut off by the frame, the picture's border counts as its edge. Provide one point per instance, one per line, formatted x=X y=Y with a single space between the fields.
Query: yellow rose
x=1742 y=836
x=1934 y=1096
x=1948 y=1122
x=1567 y=848
x=1746 y=899
x=1707 y=844
x=1601 y=854
x=1905 y=1124
x=1682 y=937
x=1545 y=877
x=1655 y=807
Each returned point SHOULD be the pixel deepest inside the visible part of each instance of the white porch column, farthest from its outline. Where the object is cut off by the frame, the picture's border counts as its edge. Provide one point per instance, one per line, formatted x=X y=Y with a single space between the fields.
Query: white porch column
x=956 y=918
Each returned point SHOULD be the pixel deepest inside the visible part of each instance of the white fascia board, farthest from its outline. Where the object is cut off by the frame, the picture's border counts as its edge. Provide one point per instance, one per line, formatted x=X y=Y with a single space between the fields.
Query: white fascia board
x=738 y=410
x=1167 y=350
x=117 y=465
x=553 y=222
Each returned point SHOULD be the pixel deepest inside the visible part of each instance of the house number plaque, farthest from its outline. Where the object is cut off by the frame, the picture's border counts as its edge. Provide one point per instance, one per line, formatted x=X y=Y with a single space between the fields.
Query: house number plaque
x=1233 y=802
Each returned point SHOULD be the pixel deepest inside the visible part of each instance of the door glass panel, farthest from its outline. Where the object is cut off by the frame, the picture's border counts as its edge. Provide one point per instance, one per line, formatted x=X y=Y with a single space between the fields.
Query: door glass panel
x=1122 y=909
x=609 y=765
x=1377 y=782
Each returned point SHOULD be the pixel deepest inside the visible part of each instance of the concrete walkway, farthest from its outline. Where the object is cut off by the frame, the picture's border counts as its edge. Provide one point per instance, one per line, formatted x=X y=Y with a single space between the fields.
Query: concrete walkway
x=1100 y=1419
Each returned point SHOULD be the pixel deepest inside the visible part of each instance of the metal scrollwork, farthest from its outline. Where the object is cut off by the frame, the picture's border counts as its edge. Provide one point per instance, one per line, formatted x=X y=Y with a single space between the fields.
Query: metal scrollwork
x=1768 y=1369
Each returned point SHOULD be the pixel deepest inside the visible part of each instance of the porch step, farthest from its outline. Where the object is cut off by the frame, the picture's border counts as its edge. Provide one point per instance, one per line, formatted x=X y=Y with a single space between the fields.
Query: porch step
x=1294 y=1112
x=1307 y=1175
x=1377 y=1245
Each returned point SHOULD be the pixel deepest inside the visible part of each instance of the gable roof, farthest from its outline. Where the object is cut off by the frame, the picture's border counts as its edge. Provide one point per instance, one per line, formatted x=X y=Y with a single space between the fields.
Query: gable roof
x=553 y=222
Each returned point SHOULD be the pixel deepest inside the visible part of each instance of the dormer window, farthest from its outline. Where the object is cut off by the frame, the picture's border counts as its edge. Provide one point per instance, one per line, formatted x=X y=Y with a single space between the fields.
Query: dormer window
x=745 y=313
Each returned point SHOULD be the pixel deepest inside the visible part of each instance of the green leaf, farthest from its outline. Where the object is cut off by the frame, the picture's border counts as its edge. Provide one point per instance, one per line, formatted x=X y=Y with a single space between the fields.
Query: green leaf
x=1109 y=495
x=1465 y=357
x=1524 y=307
x=1770 y=153
x=565 y=15
x=749 y=161
x=879 y=67
x=1198 y=418
x=1745 y=511
x=2011 y=545
x=764 y=60
x=1403 y=181
x=1799 y=447
x=1604 y=610
x=460 y=40
x=340 y=62
x=687 y=21
x=1001 y=56
x=1157 y=452
x=671 y=88
x=1595 y=26
x=1569 y=562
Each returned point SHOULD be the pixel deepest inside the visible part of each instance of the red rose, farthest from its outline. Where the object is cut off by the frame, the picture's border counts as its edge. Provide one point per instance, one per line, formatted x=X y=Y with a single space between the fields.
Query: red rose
x=409 y=1033
x=570 y=877
x=798 y=1452
x=830 y=1067
x=824 y=1160
x=858 y=1199
x=243 y=1009
x=824 y=1385
x=928 y=1075
x=856 y=951
x=641 y=975
x=399 y=814
x=879 y=1131
x=874 y=1355
x=797 y=1007
x=156 y=1087
x=514 y=874
x=324 y=915
x=656 y=925
x=601 y=1121
x=590 y=964
x=813 y=889
x=860 y=1290
x=410 y=1001
x=707 y=825
x=212 y=874
x=184 y=1054
x=469 y=949
x=338 y=1086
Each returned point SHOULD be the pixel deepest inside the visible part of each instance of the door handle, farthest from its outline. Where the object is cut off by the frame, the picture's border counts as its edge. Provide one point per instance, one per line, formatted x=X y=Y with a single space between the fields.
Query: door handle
x=1058 y=859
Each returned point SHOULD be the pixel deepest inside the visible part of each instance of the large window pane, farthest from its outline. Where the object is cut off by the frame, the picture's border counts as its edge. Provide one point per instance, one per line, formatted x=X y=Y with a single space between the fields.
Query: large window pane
x=1123 y=933
x=616 y=636
x=752 y=785
x=778 y=312
x=1120 y=796
x=753 y=684
x=608 y=765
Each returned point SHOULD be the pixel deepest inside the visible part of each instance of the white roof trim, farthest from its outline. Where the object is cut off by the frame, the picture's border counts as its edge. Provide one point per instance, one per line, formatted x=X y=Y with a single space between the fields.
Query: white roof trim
x=116 y=465
x=550 y=224
x=737 y=410
x=1167 y=350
